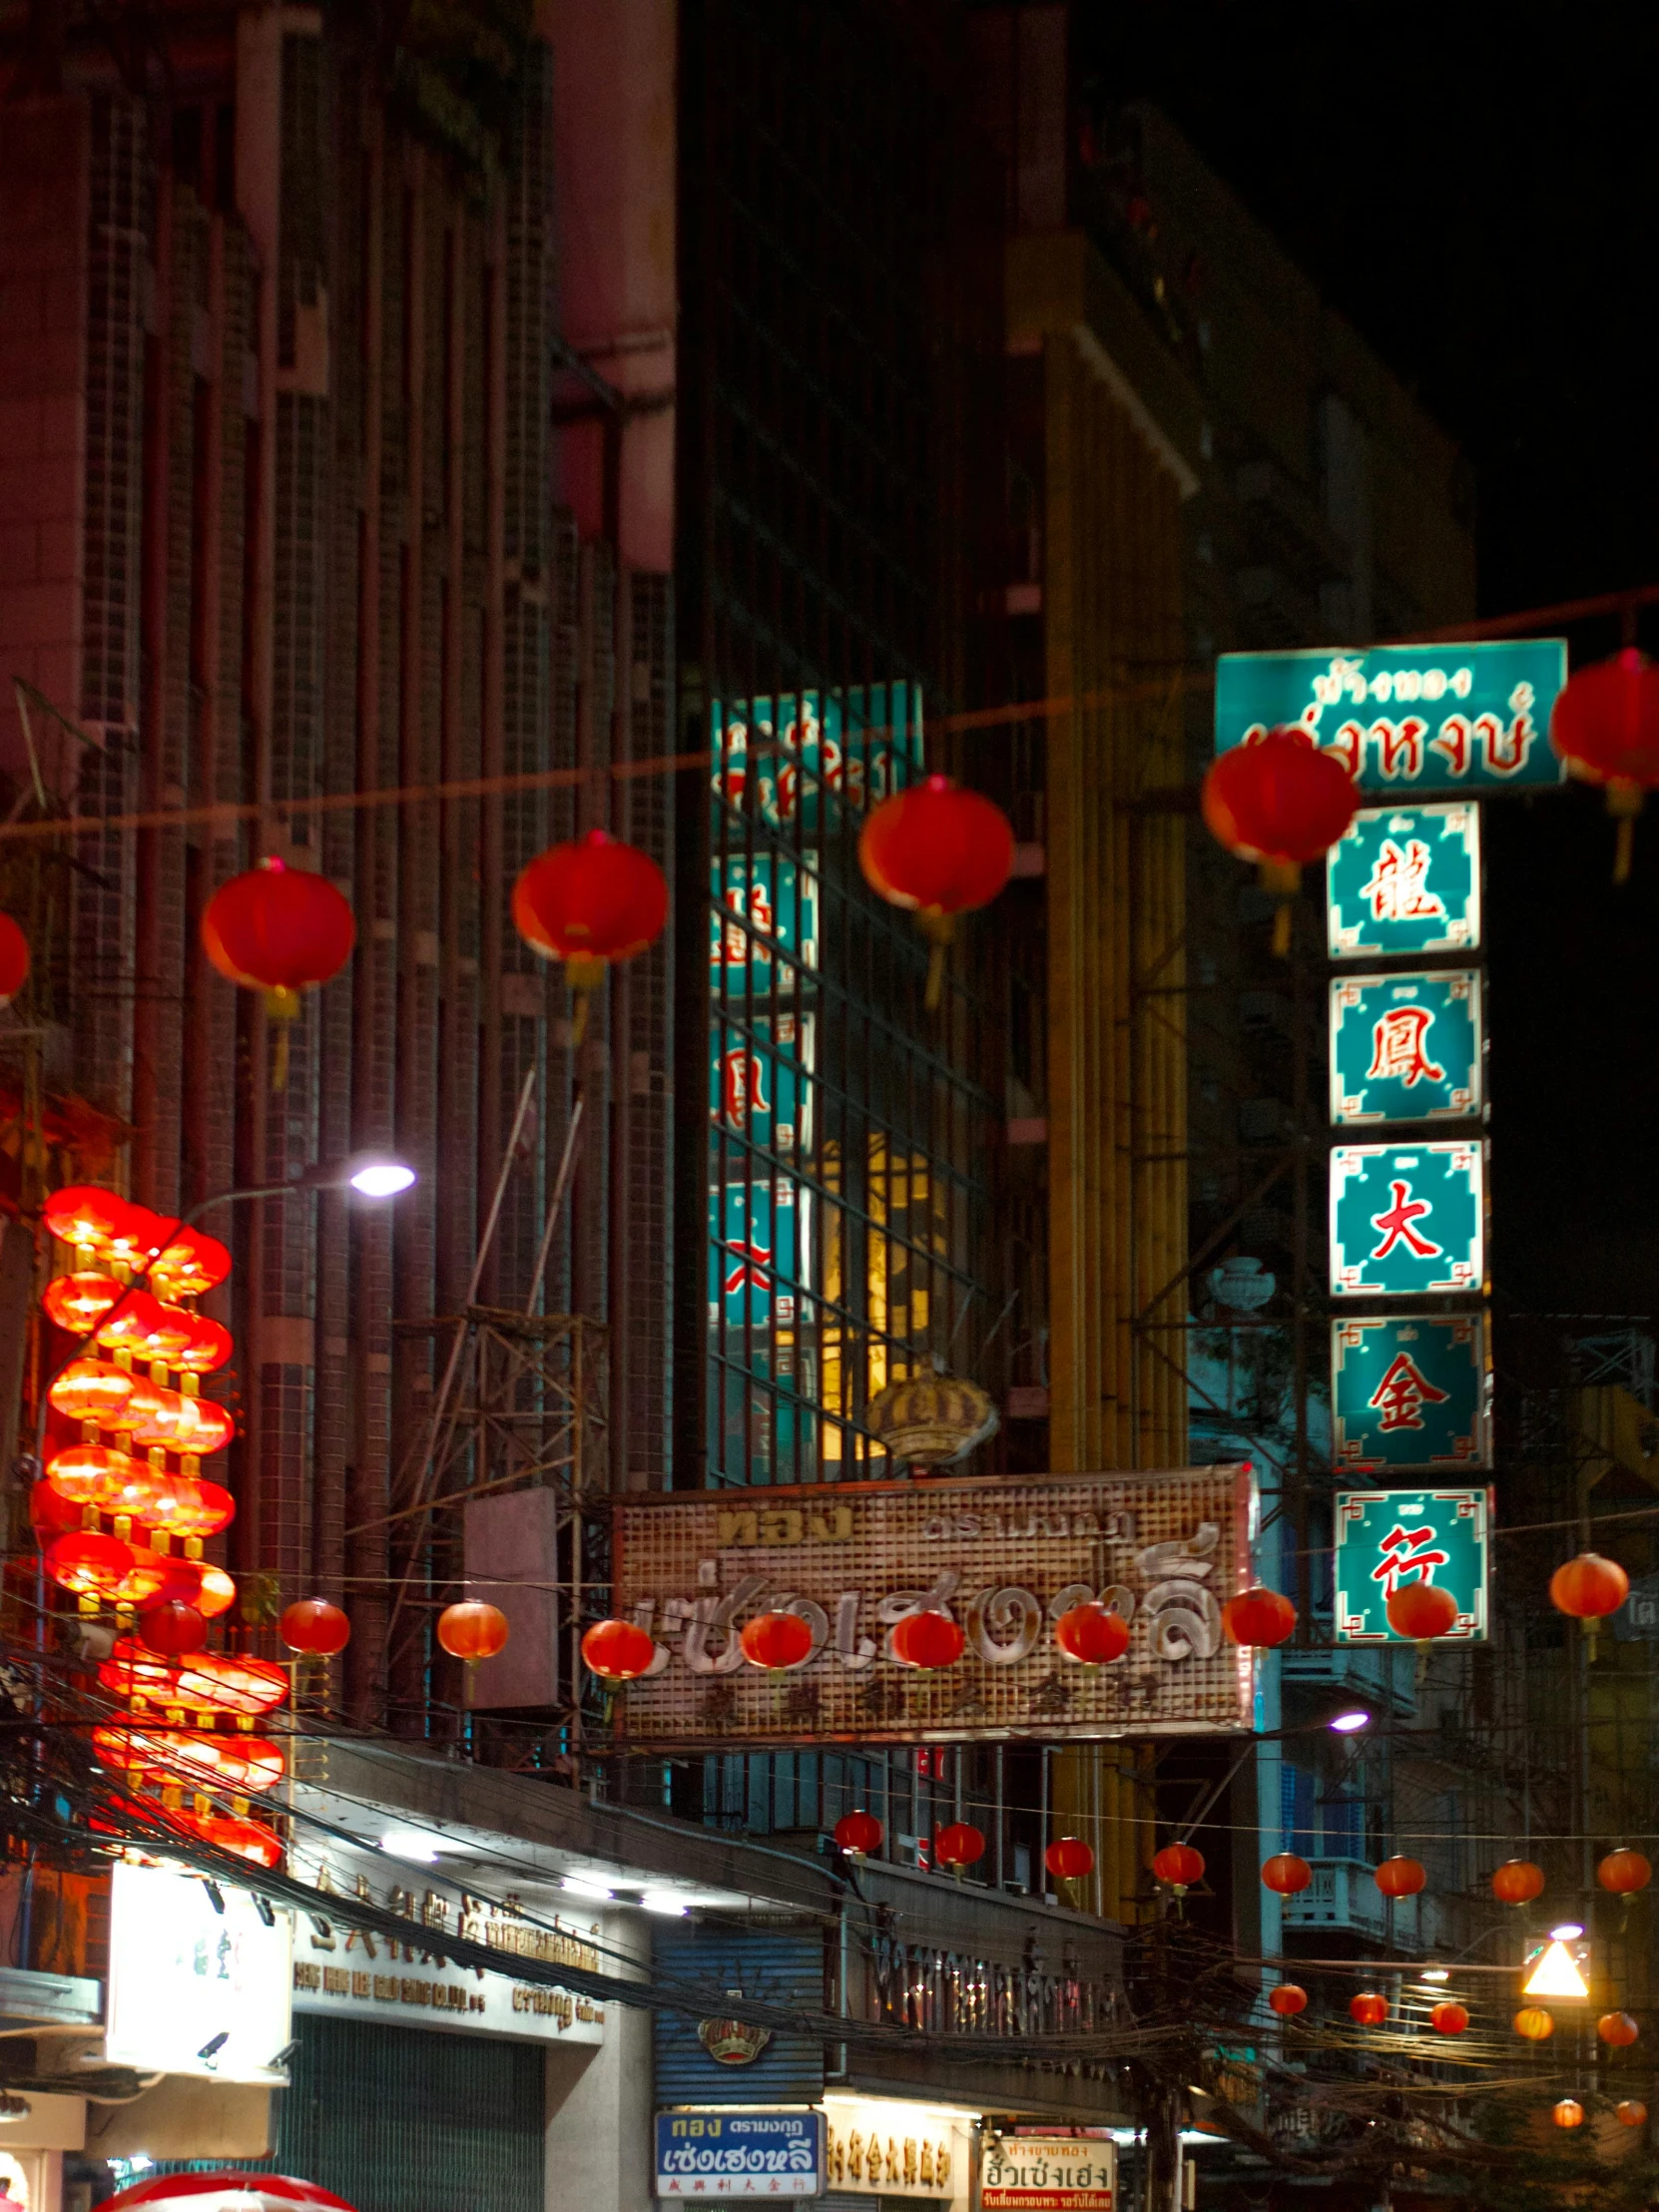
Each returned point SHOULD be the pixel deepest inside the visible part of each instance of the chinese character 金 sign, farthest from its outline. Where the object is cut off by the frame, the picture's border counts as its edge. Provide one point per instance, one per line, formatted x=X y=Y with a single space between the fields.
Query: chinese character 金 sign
x=1405 y=1047
x=1410 y=1393
x=1387 y=1539
x=1019 y=2173
x=1406 y=1220
x=1004 y=1558
x=1406 y=718
x=1404 y=879
x=740 y=2154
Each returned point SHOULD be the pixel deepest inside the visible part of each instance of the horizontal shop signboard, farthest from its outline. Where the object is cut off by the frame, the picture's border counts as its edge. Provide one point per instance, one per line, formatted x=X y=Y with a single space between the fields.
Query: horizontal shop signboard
x=1005 y=1559
x=1022 y=2174
x=719 y=2154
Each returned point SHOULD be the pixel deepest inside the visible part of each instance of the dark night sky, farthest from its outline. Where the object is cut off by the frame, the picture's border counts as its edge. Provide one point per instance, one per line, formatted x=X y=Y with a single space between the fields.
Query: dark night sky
x=1477 y=187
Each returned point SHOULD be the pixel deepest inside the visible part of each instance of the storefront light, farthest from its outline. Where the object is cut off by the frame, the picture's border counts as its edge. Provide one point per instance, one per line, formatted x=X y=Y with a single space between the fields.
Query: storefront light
x=588 y=1885
x=664 y=1902
x=409 y=1842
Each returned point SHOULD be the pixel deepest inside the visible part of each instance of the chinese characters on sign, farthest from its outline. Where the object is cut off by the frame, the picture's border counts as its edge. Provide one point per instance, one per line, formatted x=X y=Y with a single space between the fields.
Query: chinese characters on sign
x=1405 y=880
x=1408 y=718
x=1406 y=1220
x=1020 y=2173
x=1389 y=1539
x=1405 y=1047
x=1410 y=1393
x=719 y=2154
x=877 y=2148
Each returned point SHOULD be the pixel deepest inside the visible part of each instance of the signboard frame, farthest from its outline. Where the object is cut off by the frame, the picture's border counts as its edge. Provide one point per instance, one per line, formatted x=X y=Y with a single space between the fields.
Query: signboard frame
x=1391 y=1511
x=169 y=1950
x=1410 y=1223
x=1037 y=2188
x=1389 y=853
x=1358 y=1441
x=1415 y=1051
x=712 y=2132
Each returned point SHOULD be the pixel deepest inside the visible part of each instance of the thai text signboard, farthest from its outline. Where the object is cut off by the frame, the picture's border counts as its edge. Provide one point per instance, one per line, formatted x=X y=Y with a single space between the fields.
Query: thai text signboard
x=1387 y=1539
x=1022 y=2173
x=1406 y=718
x=1405 y=1047
x=1407 y=1219
x=1411 y=1392
x=719 y=2154
x=1405 y=880
x=1005 y=1559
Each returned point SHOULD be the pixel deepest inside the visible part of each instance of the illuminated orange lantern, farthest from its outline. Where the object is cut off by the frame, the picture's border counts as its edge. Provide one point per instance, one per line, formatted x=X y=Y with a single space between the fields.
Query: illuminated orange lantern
x=1631 y=2113
x=1448 y=2017
x=1568 y=2113
x=91 y=1565
x=207 y=1681
x=88 y=1217
x=242 y=1839
x=77 y=1302
x=959 y=1844
x=1178 y=1867
x=859 y=1834
x=245 y=1765
x=1617 y=2029
x=1369 y=2009
x=1422 y=1611
x=622 y=1651
x=141 y=1326
x=282 y=931
x=937 y=851
x=1287 y=2000
x=190 y=1264
x=50 y=1512
x=145 y=1581
x=1624 y=1871
x=1069 y=1859
x=1535 y=2024
x=589 y=902
x=138 y=1236
x=190 y=1425
x=1092 y=1634
x=1400 y=1877
x=472 y=1631
x=927 y=1640
x=1517 y=1881
x=1589 y=1587
x=1286 y=1874
x=314 y=1627
x=196 y=1583
x=1280 y=802
x=1259 y=1617
x=91 y=1474
x=207 y=1347
x=172 y=1629
x=777 y=1641
x=91 y=1390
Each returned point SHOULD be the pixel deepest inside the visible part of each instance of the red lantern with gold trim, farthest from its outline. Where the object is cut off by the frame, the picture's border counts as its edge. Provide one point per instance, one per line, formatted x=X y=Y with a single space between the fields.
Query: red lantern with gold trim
x=1259 y=1617
x=1448 y=2017
x=622 y=1651
x=190 y=1264
x=1624 y=1871
x=927 y=1640
x=77 y=1302
x=282 y=931
x=1588 y=1588
x=939 y=851
x=1400 y=1876
x=1279 y=800
x=1617 y=2030
x=315 y=1628
x=589 y=902
x=1369 y=2008
x=1069 y=1859
x=1421 y=1610
x=1092 y=1634
x=1517 y=1881
x=959 y=1844
x=777 y=1641
x=472 y=1630
x=1567 y=2113
x=1605 y=726
x=1287 y=2000
x=859 y=1834
x=1632 y=2112
x=172 y=1629
x=1286 y=1874
x=1178 y=1867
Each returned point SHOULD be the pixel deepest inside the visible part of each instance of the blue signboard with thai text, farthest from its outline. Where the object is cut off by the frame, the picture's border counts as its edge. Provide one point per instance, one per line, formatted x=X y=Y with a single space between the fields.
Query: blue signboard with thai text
x=1386 y=1540
x=1407 y=717
x=1406 y=881
x=1407 y=1221
x=1410 y=1392
x=717 y=2154
x=1405 y=1047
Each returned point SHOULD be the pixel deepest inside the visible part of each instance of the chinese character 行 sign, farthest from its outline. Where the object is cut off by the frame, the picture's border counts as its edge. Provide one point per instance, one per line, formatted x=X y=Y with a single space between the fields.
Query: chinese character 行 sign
x=1404 y=879
x=1407 y=1219
x=1405 y=1047
x=1411 y=1392
x=1406 y=718
x=1387 y=1539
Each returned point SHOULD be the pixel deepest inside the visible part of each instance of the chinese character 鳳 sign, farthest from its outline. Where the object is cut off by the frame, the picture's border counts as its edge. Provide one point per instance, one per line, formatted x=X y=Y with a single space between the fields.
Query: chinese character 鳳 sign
x=1405 y=1047
x=1407 y=1221
x=1389 y=1539
x=719 y=2154
x=1411 y=1392
x=1406 y=718
x=1404 y=879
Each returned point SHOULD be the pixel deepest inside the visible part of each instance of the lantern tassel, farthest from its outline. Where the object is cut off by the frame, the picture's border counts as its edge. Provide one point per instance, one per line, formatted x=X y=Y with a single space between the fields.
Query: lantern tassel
x=1624 y=803
x=281 y=1012
x=584 y=975
x=938 y=928
x=1281 y=880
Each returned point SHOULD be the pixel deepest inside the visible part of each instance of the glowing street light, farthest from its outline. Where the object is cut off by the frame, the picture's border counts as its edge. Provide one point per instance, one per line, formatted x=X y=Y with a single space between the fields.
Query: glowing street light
x=1556 y=1975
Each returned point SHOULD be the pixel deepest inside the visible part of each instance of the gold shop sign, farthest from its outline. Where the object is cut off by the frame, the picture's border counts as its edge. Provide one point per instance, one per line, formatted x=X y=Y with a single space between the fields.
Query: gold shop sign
x=1004 y=1558
x=1022 y=2173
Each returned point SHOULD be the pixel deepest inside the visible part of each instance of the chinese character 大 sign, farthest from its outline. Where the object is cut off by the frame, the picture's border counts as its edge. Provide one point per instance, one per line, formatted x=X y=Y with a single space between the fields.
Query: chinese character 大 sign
x=1387 y=1539
x=1406 y=718
x=1407 y=1219
x=1004 y=1558
x=1411 y=1392
x=1404 y=879
x=1405 y=1047
x=719 y=2154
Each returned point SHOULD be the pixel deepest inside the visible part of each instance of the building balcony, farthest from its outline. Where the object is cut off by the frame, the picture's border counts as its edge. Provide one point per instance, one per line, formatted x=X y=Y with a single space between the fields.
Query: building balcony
x=1369 y=1671
x=1343 y=1900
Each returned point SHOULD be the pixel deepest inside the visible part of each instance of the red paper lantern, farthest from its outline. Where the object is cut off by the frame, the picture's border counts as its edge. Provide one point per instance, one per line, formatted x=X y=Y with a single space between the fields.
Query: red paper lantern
x=589 y=902
x=937 y=851
x=1069 y=1859
x=89 y=1564
x=621 y=1651
x=1178 y=1867
x=927 y=1640
x=242 y=1839
x=1617 y=2030
x=1624 y=1871
x=1284 y=1874
x=245 y=1765
x=206 y=1681
x=280 y=931
x=1259 y=1617
x=77 y=1302
x=191 y=1425
x=1287 y=2000
x=1568 y=2113
x=1632 y=2112
x=777 y=1641
x=958 y=1845
x=1448 y=2018
x=88 y=1217
x=207 y=1347
x=1589 y=1587
x=14 y=959
x=194 y=1582
x=472 y=1631
x=50 y=1512
x=1605 y=726
x=91 y=1390
x=1280 y=802
x=1400 y=1877
x=193 y=1509
x=1517 y=1881
x=92 y=1475
x=139 y=1325
x=859 y=1834
x=1092 y=1634
x=172 y=1629
x=1421 y=1610
x=1369 y=2008
x=314 y=1627
x=1535 y=2024
x=190 y=1264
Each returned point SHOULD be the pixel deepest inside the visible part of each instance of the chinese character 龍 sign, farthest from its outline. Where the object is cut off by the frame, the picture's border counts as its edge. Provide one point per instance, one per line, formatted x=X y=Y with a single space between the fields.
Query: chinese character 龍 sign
x=1387 y=1539
x=1404 y=879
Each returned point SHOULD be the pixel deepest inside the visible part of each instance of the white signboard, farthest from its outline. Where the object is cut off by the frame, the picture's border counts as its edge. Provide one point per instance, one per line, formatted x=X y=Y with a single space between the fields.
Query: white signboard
x=193 y=1991
x=1027 y=2173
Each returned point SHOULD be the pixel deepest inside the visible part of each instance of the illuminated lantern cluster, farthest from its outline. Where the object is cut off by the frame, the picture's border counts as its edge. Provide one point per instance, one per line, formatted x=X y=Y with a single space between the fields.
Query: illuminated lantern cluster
x=1280 y=802
x=937 y=851
x=590 y=902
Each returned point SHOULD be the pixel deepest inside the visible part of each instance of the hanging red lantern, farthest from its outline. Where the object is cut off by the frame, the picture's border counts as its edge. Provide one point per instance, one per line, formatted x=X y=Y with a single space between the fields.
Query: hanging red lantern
x=1588 y=1588
x=1092 y=1634
x=472 y=1631
x=14 y=959
x=280 y=931
x=207 y=1345
x=859 y=1834
x=1287 y=2000
x=1178 y=1867
x=1535 y=2024
x=623 y=1651
x=589 y=902
x=939 y=851
x=1617 y=2030
x=1448 y=2017
x=1605 y=726
x=50 y=1512
x=315 y=1628
x=90 y=1565
x=77 y=1302
x=207 y=1681
x=194 y=1582
x=1421 y=1610
x=192 y=1509
x=1259 y=1617
x=959 y=1844
x=1284 y=1874
x=1369 y=2009
x=138 y=1236
x=927 y=1640
x=1280 y=802
x=1400 y=1877
x=1568 y=2113
x=91 y=1390
x=777 y=1641
x=191 y=1425
x=1069 y=1859
x=88 y=1217
x=248 y=1766
x=1632 y=2112
x=242 y=1839
x=1517 y=1881
x=190 y=1265
x=1624 y=1871
x=172 y=1629
x=91 y=1474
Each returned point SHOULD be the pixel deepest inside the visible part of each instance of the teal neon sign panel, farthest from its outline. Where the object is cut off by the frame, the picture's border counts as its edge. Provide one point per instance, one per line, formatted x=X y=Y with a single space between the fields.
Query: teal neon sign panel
x=1405 y=1047
x=1407 y=717
x=1386 y=1540
x=1410 y=1392
x=1407 y=1221
x=1405 y=880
